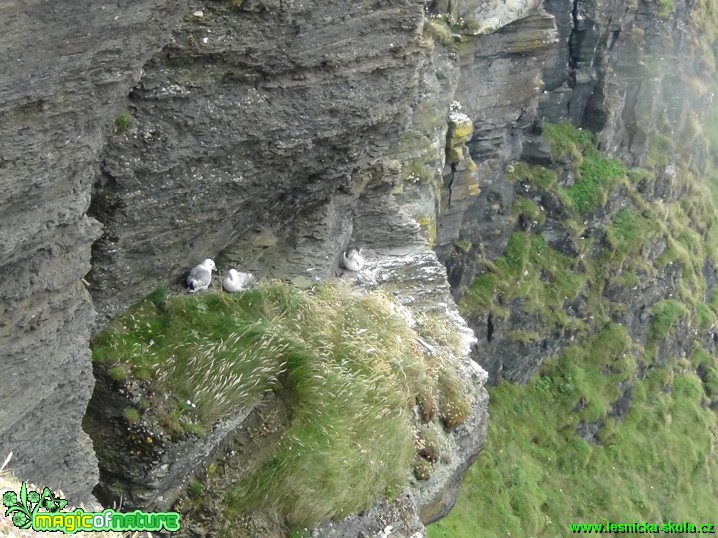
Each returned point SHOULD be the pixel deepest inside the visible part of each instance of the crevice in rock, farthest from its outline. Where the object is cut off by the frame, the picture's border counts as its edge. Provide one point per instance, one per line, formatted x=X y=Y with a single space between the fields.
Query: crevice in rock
x=489 y=328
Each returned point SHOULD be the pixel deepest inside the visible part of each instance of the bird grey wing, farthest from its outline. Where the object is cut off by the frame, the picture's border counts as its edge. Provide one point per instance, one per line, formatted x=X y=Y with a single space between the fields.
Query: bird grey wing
x=199 y=275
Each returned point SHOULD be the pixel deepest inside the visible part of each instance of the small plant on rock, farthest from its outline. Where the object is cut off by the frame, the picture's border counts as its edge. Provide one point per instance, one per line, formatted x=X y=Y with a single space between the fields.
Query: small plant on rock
x=122 y=122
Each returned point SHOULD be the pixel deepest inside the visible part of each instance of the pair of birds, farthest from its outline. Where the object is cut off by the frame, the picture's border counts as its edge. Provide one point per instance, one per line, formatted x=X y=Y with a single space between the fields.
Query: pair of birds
x=200 y=278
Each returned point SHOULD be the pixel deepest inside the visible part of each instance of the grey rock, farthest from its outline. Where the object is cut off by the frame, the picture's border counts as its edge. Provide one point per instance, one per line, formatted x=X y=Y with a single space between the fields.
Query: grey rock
x=64 y=70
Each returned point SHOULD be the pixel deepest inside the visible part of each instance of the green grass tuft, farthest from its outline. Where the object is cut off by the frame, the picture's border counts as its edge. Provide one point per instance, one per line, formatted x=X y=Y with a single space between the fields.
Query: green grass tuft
x=349 y=364
x=565 y=137
x=528 y=209
x=532 y=270
x=123 y=122
x=665 y=314
x=597 y=175
x=667 y=8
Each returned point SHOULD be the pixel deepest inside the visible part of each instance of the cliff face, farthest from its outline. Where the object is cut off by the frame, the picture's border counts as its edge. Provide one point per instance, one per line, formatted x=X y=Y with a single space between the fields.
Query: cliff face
x=256 y=126
x=637 y=76
x=252 y=115
x=273 y=140
x=64 y=70
x=270 y=134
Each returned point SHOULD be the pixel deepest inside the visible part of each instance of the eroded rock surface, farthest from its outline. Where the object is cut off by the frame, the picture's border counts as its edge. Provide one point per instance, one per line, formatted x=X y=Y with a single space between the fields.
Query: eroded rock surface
x=64 y=70
x=631 y=73
x=252 y=114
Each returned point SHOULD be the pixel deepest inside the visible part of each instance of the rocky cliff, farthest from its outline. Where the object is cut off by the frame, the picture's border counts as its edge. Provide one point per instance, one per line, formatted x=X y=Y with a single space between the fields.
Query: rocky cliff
x=247 y=126
x=65 y=70
x=141 y=138
x=637 y=74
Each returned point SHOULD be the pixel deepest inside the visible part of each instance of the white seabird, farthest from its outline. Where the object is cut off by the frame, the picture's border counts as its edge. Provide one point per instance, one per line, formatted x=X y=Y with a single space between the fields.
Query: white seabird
x=352 y=259
x=236 y=281
x=200 y=276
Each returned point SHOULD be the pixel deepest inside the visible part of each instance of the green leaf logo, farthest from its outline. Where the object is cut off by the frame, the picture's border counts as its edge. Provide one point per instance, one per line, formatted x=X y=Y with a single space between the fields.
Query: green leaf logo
x=22 y=509
x=9 y=498
x=49 y=502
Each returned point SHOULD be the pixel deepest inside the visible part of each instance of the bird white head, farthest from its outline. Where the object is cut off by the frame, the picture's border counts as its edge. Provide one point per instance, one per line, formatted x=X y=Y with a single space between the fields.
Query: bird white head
x=208 y=264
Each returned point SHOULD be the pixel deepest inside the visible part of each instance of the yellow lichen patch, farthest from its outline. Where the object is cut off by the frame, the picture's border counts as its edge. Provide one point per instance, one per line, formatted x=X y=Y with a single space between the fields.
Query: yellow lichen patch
x=460 y=128
x=463 y=244
x=429 y=225
x=454 y=155
x=463 y=130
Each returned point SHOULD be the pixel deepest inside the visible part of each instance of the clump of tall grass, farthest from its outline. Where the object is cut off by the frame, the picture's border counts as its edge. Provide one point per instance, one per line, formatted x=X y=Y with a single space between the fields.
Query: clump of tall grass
x=350 y=365
x=356 y=371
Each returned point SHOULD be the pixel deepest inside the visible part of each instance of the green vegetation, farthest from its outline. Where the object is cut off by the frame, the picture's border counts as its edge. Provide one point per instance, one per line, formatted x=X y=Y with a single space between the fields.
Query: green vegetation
x=660 y=148
x=528 y=209
x=122 y=122
x=665 y=314
x=416 y=172
x=628 y=231
x=566 y=138
x=598 y=174
x=423 y=469
x=349 y=364
x=531 y=270
x=559 y=450
x=705 y=15
x=538 y=176
x=667 y=8
x=117 y=373
x=537 y=475
x=196 y=489
x=705 y=316
x=131 y=415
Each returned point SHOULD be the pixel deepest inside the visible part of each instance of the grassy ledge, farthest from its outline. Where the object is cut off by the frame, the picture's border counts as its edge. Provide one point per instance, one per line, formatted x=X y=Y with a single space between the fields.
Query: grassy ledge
x=348 y=364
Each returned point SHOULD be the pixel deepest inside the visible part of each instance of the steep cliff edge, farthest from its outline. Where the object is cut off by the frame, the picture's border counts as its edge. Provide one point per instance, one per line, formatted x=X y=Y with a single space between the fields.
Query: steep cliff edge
x=64 y=69
x=638 y=76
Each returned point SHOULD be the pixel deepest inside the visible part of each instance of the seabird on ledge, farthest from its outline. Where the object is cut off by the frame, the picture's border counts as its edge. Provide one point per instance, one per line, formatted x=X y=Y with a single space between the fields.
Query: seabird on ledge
x=352 y=259
x=200 y=276
x=236 y=281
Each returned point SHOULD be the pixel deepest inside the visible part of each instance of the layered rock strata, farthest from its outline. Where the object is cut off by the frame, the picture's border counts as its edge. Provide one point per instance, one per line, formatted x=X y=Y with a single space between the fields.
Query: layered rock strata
x=65 y=68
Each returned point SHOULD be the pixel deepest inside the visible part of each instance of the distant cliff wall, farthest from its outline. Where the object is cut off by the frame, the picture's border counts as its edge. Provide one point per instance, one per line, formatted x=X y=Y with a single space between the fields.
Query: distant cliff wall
x=637 y=74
